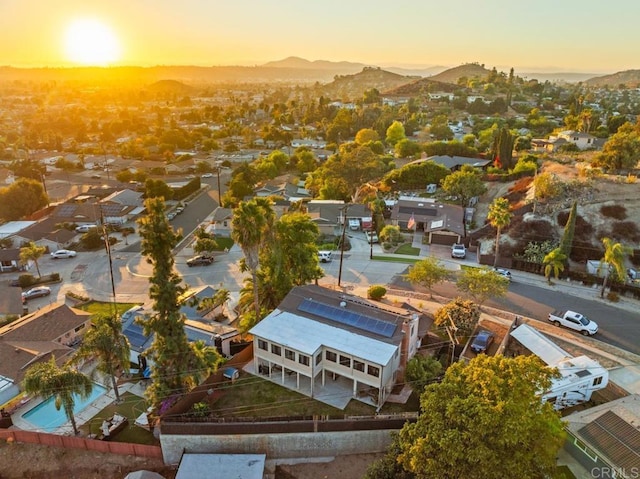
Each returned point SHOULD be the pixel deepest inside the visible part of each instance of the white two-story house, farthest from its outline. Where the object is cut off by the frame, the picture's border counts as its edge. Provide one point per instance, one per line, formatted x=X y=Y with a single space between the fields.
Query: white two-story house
x=335 y=347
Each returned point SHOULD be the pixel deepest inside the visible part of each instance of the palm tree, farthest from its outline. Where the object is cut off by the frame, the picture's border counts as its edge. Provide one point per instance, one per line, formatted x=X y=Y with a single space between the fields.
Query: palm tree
x=33 y=252
x=205 y=360
x=613 y=259
x=47 y=379
x=106 y=342
x=251 y=224
x=499 y=216
x=220 y=298
x=554 y=262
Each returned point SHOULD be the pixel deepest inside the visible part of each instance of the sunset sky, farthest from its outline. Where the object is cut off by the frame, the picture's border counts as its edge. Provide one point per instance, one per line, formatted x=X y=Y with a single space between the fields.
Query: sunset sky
x=546 y=35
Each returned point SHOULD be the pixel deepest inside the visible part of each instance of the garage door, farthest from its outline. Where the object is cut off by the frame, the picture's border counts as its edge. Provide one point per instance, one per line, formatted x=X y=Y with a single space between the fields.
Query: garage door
x=443 y=239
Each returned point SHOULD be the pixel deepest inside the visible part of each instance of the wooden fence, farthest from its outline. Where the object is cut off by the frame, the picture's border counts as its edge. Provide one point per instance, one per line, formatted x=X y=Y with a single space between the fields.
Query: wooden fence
x=71 y=442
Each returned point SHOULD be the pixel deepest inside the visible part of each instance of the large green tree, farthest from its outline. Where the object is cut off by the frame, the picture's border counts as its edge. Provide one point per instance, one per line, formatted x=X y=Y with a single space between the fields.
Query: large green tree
x=176 y=366
x=421 y=370
x=251 y=228
x=499 y=216
x=395 y=133
x=105 y=342
x=48 y=379
x=502 y=149
x=485 y=420
x=32 y=252
x=427 y=272
x=459 y=316
x=482 y=284
x=464 y=184
x=622 y=149
x=614 y=257
x=22 y=198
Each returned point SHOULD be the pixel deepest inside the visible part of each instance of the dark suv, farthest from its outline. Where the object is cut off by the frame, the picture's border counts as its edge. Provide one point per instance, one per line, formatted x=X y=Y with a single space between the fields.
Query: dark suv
x=200 y=259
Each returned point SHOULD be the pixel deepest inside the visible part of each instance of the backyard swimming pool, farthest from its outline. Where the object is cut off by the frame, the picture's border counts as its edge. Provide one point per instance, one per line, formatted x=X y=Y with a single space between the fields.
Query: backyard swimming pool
x=47 y=418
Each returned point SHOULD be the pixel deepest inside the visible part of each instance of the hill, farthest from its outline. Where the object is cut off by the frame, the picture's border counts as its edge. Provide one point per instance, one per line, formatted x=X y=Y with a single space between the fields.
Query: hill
x=419 y=87
x=468 y=70
x=629 y=78
x=354 y=86
x=301 y=63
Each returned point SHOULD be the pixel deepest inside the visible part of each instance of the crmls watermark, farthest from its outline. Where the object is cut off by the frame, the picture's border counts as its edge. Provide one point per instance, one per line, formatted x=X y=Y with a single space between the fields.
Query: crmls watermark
x=615 y=472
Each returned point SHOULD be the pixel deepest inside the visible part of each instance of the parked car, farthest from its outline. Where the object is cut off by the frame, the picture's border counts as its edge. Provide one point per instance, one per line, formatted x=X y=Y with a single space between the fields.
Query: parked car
x=372 y=237
x=63 y=253
x=36 y=292
x=85 y=228
x=171 y=215
x=179 y=210
x=505 y=273
x=482 y=341
x=324 y=256
x=201 y=259
x=575 y=321
x=458 y=251
x=208 y=175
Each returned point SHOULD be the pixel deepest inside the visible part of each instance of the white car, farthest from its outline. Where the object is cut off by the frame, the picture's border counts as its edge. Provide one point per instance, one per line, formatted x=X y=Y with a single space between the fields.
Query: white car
x=208 y=175
x=63 y=253
x=85 y=228
x=505 y=273
x=458 y=251
x=372 y=237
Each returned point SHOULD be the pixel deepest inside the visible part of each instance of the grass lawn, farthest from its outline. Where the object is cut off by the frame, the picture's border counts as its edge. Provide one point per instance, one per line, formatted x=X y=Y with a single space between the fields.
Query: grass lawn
x=252 y=396
x=392 y=259
x=131 y=407
x=105 y=309
x=407 y=249
x=223 y=243
x=565 y=473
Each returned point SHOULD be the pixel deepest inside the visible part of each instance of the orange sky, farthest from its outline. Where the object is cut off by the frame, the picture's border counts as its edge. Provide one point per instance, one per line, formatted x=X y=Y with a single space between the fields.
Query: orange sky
x=572 y=35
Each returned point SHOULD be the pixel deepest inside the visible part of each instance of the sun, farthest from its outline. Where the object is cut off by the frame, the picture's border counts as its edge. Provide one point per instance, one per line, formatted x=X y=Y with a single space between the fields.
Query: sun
x=91 y=42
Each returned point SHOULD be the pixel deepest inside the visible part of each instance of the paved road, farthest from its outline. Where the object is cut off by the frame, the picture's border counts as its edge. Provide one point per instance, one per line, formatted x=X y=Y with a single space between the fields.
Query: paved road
x=528 y=295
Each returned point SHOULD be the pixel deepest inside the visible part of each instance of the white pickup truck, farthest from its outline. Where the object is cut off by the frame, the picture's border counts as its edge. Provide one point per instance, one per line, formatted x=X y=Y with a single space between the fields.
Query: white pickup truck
x=573 y=320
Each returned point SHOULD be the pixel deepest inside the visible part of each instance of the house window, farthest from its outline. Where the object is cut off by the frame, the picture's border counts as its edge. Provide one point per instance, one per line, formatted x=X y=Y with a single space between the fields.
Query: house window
x=80 y=327
x=303 y=359
x=331 y=356
x=262 y=344
x=290 y=355
x=584 y=448
x=225 y=224
x=597 y=381
x=373 y=371
x=277 y=350
x=345 y=361
x=358 y=365
x=318 y=358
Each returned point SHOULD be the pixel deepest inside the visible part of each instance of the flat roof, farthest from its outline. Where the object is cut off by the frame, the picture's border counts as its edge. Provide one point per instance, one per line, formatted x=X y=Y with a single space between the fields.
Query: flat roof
x=221 y=466
x=538 y=344
x=307 y=336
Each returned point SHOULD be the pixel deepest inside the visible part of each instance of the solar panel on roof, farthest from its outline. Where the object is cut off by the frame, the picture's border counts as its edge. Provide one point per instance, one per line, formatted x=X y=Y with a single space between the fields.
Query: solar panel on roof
x=135 y=334
x=67 y=210
x=348 y=318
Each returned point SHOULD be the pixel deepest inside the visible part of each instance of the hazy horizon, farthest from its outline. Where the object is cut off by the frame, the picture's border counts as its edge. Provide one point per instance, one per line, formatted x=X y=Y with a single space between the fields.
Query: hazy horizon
x=548 y=36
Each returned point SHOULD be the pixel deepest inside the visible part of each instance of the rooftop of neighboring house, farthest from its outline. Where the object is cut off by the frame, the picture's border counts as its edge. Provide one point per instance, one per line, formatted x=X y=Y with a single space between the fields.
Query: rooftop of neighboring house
x=435 y=216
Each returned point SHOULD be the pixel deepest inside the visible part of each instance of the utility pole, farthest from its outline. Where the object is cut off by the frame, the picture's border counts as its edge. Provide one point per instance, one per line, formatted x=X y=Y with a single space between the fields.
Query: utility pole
x=219 y=191
x=107 y=245
x=344 y=231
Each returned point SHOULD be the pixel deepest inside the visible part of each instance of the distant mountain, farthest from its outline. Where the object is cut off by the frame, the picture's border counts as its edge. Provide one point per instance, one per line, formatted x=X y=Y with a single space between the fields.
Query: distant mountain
x=569 y=77
x=420 y=72
x=469 y=70
x=170 y=86
x=301 y=63
x=354 y=86
x=630 y=78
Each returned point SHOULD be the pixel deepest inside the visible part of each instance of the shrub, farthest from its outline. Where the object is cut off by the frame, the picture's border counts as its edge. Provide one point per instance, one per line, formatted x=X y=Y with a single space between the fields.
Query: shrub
x=54 y=277
x=376 y=292
x=201 y=409
x=618 y=212
x=26 y=280
x=613 y=296
x=77 y=296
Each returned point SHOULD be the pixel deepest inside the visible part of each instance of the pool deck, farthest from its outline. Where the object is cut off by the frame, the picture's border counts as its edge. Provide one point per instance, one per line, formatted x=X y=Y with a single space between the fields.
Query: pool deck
x=84 y=416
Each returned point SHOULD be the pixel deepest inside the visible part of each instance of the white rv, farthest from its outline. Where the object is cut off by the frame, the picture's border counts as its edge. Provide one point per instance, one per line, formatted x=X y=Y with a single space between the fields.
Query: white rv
x=579 y=376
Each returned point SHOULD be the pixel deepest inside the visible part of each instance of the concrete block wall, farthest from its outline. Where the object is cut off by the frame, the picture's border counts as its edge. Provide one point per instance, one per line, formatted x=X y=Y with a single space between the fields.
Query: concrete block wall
x=277 y=446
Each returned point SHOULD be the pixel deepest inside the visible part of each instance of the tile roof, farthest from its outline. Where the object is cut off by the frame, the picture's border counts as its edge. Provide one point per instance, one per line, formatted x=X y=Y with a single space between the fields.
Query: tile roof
x=46 y=324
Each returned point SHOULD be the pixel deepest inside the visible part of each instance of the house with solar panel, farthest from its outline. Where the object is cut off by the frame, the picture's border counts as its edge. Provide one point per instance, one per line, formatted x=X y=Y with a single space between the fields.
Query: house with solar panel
x=605 y=439
x=335 y=347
